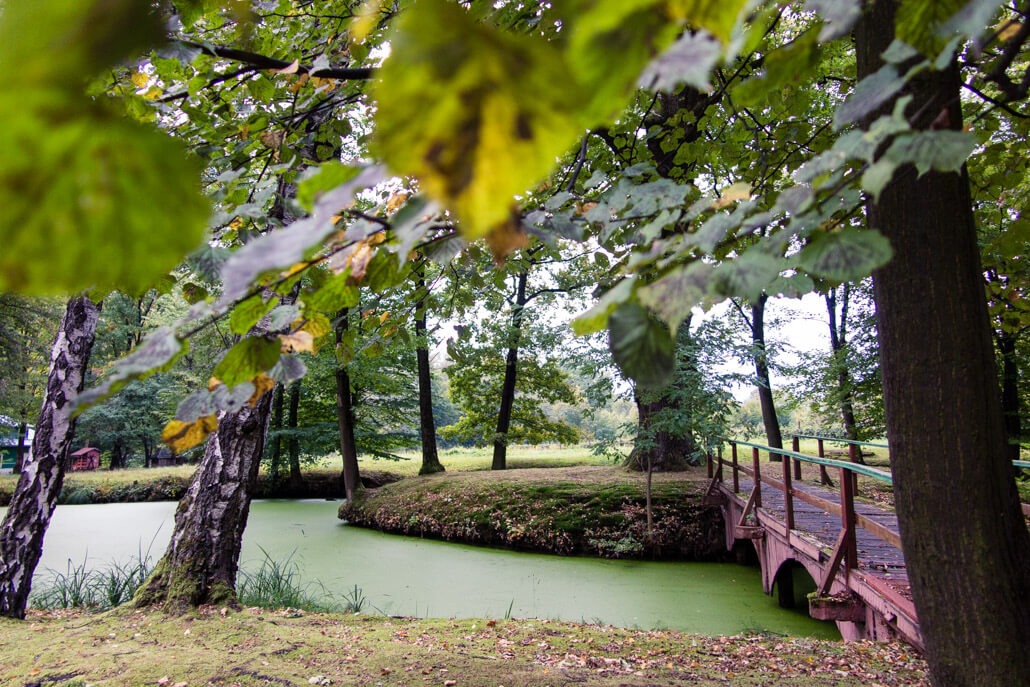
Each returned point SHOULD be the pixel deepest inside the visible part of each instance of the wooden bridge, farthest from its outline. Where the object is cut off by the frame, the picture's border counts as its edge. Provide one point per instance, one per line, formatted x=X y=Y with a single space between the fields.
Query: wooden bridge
x=851 y=550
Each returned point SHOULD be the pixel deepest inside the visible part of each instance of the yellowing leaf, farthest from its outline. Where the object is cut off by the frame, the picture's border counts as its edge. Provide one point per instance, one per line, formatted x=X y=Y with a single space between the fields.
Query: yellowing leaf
x=317 y=325
x=365 y=19
x=477 y=114
x=1008 y=30
x=733 y=193
x=358 y=259
x=396 y=201
x=262 y=385
x=505 y=240
x=383 y=317
x=718 y=16
x=297 y=342
x=271 y=139
x=292 y=68
x=181 y=436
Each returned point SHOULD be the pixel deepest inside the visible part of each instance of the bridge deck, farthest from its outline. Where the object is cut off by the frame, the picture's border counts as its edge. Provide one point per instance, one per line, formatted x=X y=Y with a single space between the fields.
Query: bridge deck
x=881 y=565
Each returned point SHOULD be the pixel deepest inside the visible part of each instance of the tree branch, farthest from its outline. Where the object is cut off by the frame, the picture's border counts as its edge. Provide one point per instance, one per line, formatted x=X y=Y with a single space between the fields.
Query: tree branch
x=265 y=62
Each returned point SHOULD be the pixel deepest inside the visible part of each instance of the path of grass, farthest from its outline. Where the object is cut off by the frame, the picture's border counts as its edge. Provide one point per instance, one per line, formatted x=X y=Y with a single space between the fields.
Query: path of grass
x=257 y=647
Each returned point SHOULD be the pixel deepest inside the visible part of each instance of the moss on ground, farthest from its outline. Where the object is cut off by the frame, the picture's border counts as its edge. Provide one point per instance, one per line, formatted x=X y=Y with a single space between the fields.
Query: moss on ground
x=216 y=646
x=587 y=510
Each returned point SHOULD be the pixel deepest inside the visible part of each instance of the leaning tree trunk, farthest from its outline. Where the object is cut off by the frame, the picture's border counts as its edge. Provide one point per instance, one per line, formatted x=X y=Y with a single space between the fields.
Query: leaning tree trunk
x=427 y=423
x=966 y=544
x=838 y=344
x=296 y=478
x=765 y=395
x=277 y=439
x=28 y=515
x=345 y=419
x=1010 y=392
x=19 y=460
x=511 y=368
x=202 y=559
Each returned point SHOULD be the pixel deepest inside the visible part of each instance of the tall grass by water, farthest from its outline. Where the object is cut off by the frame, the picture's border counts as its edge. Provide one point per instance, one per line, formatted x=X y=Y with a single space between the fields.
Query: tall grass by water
x=96 y=590
x=275 y=584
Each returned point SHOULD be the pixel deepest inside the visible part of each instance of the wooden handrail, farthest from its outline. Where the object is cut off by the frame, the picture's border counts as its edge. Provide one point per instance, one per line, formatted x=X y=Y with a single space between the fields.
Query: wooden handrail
x=828 y=462
x=853 y=442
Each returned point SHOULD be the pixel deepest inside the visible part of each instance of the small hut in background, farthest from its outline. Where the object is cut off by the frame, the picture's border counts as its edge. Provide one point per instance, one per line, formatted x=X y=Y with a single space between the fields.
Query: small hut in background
x=164 y=458
x=87 y=458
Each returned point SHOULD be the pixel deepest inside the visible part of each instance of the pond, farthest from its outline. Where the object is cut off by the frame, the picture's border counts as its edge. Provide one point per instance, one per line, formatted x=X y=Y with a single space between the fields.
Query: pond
x=422 y=578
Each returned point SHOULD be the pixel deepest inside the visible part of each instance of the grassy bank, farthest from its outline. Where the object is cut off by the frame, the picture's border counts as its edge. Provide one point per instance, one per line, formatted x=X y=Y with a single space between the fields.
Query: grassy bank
x=259 y=647
x=588 y=509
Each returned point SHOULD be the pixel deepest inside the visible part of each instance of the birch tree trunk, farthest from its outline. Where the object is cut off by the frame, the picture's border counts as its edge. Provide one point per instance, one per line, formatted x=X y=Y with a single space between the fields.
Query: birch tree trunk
x=39 y=485
x=202 y=559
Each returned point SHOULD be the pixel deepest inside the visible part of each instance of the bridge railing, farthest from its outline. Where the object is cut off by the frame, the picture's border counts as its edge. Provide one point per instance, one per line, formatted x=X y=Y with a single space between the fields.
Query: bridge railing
x=854 y=451
x=846 y=549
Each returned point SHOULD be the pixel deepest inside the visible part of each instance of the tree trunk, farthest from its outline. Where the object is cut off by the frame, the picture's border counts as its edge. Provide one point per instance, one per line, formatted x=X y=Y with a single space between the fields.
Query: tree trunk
x=658 y=450
x=277 y=440
x=296 y=479
x=1010 y=391
x=427 y=423
x=838 y=342
x=117 y=457
x=202 y=559
x=19 y=458
x=511 y=366
x=966 y=543
x=34 y=499
x=765 y=395
x=345 y=419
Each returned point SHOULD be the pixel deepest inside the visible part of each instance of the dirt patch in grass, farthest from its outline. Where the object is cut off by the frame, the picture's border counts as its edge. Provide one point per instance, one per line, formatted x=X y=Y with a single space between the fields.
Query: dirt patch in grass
x=257 y=647
x=586 y=510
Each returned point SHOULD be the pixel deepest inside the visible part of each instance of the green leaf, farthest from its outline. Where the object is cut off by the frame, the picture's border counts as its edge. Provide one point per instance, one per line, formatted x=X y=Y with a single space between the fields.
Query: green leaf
x=783 y=68
x=62 y=43
x=477 y=114
x=334 y=295
x=673 y=296
x=641 y=345
x=838 y=16
x=325 y=177
x=384 y=271
x=90 y=200
x=611 y=42
x=870 y=93
x=747 y=275
x=596 y=318
x=971 y=20
x=847 y=255
x=719 y=18
x=877 y=176
x=158 y=351
x=246 y=360
x=941 y=151
x=919 y=23
x=248 y=312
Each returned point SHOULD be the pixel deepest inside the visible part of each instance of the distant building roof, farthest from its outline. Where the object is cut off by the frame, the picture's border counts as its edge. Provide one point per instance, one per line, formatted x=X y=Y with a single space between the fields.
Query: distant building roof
x=85 y=451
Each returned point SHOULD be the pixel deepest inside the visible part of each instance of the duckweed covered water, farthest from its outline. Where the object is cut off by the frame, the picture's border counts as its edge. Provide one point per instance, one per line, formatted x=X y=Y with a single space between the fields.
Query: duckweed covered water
x=413 y=577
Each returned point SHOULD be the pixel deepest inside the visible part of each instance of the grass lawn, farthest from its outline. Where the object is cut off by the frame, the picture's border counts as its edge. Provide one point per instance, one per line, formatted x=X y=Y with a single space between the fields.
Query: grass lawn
x=260 y=647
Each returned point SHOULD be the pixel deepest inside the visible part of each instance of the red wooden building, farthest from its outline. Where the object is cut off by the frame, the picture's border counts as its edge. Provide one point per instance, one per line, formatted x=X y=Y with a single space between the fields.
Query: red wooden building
x=87 y=458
